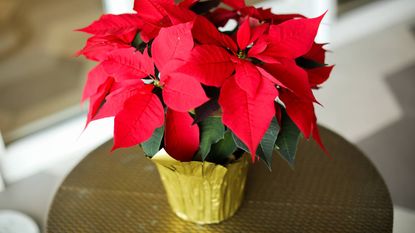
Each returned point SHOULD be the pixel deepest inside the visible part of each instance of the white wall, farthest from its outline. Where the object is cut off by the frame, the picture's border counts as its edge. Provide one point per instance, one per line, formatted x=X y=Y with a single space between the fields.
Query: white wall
x=118 y=6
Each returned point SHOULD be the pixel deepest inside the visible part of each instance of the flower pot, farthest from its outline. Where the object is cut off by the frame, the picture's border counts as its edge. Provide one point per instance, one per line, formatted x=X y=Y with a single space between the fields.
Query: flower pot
x=202 y=192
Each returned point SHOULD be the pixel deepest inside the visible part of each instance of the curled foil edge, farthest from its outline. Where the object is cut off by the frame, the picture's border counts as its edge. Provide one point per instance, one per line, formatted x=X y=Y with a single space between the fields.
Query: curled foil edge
x=202 y=192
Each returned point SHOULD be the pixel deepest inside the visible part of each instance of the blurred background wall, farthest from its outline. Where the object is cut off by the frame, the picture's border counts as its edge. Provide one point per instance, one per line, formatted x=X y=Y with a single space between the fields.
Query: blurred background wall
x=370 y=98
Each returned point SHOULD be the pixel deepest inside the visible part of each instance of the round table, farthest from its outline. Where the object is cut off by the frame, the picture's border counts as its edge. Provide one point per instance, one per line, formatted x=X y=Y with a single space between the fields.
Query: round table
x=122 y=192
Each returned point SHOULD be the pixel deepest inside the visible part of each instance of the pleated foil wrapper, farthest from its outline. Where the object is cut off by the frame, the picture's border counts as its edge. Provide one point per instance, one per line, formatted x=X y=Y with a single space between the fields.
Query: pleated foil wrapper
x=202 y=192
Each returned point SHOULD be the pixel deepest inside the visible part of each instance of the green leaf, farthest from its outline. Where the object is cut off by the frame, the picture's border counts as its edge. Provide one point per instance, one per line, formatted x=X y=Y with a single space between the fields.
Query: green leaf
x=288 y=139
x=138 y=43
x=204 y=7
x=152 y=145
x=239 y=143
x=308 y=63
x=223 y=149
x=205 y=110
x=267 y=144
x=211 y=131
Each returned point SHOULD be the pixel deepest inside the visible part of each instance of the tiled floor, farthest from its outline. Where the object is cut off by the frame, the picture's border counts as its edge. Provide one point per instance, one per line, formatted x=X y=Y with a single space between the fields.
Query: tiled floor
x=33 y=195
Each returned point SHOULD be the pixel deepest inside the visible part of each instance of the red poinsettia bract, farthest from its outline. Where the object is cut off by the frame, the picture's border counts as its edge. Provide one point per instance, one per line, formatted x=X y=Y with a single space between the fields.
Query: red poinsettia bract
x=155 y=66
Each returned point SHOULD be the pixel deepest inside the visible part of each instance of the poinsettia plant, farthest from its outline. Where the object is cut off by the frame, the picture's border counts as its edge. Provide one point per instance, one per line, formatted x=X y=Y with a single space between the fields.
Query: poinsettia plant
x=206 y=80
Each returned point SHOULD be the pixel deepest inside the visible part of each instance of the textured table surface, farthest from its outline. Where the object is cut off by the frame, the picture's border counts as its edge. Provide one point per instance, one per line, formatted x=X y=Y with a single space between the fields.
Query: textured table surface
x=122 y=192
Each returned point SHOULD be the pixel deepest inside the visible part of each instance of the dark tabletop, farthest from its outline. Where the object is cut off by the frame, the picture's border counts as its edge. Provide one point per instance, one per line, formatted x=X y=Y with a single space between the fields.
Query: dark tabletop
x=122 y=192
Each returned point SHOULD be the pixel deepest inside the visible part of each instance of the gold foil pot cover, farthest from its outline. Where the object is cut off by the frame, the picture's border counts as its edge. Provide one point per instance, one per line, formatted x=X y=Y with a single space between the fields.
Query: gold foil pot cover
x=202 y=192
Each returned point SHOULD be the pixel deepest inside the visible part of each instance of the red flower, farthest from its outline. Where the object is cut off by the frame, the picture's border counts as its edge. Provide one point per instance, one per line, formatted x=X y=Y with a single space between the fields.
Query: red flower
x=97 y=48
x=156 y=64
x=248 y=71
x=132 y=101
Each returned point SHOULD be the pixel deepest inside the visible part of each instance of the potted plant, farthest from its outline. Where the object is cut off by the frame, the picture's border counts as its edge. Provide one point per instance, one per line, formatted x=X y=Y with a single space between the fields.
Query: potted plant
x=201 y=86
